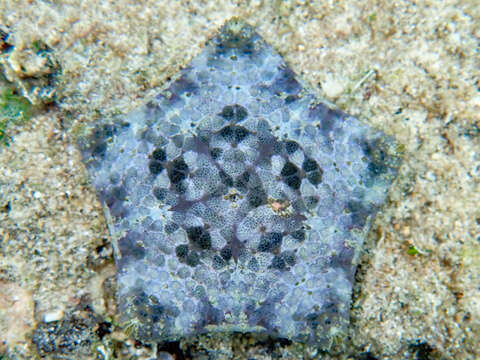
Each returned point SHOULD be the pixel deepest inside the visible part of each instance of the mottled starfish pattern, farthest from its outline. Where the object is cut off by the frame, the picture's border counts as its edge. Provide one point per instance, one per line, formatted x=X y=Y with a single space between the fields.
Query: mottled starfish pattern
x=236 y=200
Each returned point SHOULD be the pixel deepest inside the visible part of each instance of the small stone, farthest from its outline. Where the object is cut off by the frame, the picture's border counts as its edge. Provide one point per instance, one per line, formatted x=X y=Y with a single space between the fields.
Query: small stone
x=53 y=316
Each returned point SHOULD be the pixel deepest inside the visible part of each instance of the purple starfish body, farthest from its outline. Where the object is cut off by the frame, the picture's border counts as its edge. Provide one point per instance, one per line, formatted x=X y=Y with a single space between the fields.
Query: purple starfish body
x=236 y=200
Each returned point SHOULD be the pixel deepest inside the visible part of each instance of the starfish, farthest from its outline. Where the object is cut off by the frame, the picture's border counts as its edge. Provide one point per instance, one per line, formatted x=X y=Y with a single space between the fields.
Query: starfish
x=237 y=201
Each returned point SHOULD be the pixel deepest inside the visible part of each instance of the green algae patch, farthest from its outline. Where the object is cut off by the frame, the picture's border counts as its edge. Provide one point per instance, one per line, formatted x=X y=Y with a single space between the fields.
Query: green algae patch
x=14 y=110
x=471 y=257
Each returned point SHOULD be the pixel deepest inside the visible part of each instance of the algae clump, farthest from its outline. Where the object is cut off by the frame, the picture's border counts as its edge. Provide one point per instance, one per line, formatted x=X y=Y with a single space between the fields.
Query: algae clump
x=14 y=110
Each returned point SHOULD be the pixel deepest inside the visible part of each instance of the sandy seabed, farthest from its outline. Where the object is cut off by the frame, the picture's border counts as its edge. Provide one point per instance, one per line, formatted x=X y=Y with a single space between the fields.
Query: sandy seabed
x=409 y=68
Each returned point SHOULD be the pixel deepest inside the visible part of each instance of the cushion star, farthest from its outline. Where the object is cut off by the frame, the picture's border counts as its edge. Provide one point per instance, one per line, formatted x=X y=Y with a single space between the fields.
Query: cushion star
x=237 y=201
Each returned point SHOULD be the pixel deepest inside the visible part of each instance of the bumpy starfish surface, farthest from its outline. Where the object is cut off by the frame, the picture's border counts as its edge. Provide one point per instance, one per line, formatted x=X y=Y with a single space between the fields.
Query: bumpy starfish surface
x=236 y=200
